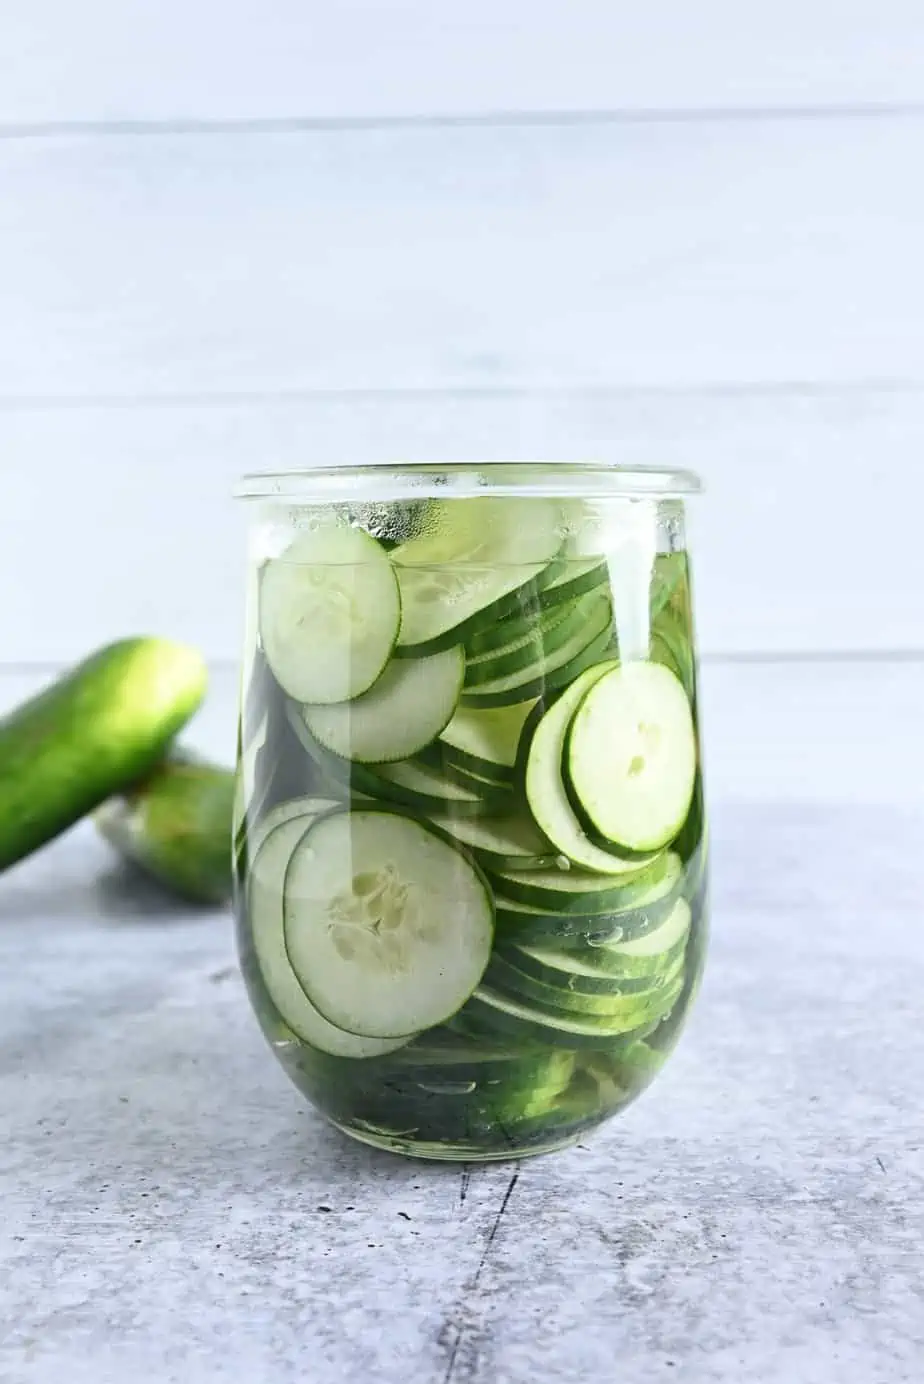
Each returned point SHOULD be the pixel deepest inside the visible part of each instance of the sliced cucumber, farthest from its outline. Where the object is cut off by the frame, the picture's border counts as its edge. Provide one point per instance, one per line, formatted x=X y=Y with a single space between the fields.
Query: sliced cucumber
x=574 y=577
x=612 y=1005
x=655 y=950
x=583 y=892
x=266 y=917
x=402 y=712
x=669 y=574
x=501 y=843
x=329 y=614
x=541 y=604
x=410 y=783
x=670 y=646
x=388 y=926
x=545 y=789
x=485 y=740
x=442 y=1056
x=474 y=556
x=518 y=922
x=630 y=756
x=306 y=807
x=602 y=968
x=483 y=784
x=585 y=646
x=541 y=641
x=426 y=789
x=492 y=639
x=487 y=1009
x=247 y=805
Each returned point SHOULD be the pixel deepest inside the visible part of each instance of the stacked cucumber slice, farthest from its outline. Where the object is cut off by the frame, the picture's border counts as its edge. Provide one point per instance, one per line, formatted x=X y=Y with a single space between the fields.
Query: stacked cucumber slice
x=469 y=828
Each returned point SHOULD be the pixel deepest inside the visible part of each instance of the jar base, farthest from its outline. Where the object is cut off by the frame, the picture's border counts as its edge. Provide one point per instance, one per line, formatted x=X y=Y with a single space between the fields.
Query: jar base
x=449 y=1153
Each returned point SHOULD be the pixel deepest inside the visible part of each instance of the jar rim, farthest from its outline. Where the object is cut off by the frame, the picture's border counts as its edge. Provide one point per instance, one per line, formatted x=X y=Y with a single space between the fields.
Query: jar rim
x=387 y=479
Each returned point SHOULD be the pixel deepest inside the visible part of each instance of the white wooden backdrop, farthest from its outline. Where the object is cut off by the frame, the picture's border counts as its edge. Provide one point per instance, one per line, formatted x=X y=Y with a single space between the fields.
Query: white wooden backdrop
x=247 y=234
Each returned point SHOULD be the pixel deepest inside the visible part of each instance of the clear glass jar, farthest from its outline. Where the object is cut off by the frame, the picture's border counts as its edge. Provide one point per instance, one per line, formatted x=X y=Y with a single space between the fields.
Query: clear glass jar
x=470 y=847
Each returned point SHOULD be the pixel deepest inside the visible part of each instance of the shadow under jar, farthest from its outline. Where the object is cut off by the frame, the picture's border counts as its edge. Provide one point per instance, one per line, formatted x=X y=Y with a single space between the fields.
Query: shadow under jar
x=470 y=844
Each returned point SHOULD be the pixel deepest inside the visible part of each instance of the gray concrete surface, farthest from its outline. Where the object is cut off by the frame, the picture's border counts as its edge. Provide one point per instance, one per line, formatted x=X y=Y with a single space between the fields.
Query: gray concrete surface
x=171 y=1211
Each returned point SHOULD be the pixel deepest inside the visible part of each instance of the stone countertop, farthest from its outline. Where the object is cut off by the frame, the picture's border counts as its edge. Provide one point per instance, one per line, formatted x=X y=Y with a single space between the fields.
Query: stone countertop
x=170 y=1210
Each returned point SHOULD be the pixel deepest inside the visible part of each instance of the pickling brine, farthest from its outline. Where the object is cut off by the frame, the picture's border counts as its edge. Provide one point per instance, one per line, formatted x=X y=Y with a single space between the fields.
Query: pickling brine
x=470 y=846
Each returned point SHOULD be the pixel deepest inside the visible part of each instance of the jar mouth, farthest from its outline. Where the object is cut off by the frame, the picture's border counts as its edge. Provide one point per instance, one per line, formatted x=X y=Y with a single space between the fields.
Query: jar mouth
x=397 y=480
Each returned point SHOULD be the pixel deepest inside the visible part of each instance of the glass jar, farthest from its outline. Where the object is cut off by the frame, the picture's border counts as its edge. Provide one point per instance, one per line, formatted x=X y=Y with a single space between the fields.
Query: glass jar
x=470 y=845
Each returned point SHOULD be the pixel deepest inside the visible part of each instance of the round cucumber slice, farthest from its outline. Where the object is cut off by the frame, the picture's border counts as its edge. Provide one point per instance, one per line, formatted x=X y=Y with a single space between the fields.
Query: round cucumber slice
x=542 y=603
x=410 y=783
x=581 y=892
x=631 y=756
x=517 y=922
x=266 y=917
x=545 y=789
x=585 y=646
x=487 y=1009
x=501 y=842
x=605 y=968
x=611 y=1005
x=654 y=951
x=540 y=641
x=574 y=576
x=474 y=555
x=388 y=926
x=670 y=647
x=669 y=575
x=329 y=614
x=306 y=808
x=443 y=1061
x=486 y=740
x=402 y=712
x=425 y=789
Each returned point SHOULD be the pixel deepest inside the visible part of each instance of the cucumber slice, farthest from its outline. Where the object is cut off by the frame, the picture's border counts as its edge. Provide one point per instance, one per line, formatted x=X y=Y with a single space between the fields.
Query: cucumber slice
x=654 y=951
x=631 y=756
x=540 y=641
x=611 y=1005
x=517 y=922
x=586 y=645
x=602 y=968
x=426 y=789
x=476 y=554
x=247 y=803
x=671 y=647
x=467 y=778
x=402 y=712
x=488 y=641
x=410 y=783
x=442 y=1057
x=487 y=1009
x=282 y=985
x=501 y=843
x=669 y=574
x=574 y=577
x=307 y=807
x=580 y=891
x=388 y=926
x=545 y=790
x=329 y=614
x=486 y=740
x=543 y=604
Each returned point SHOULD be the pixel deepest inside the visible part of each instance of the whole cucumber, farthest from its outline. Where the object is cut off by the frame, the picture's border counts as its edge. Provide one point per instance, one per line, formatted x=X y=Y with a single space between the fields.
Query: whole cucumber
x=176 y=825
x=94 y=732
